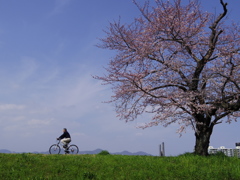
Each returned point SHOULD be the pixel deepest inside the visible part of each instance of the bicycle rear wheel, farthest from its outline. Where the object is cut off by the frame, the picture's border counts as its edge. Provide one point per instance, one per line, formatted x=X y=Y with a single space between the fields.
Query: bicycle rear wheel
x=73 y=149
x=54 y=149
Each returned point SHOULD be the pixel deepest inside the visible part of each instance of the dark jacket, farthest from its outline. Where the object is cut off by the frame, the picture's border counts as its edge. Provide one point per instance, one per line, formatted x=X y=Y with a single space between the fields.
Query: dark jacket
x=65 y=135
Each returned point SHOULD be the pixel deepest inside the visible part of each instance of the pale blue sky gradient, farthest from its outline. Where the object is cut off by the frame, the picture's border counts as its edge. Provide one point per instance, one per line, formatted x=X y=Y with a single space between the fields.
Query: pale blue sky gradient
x=47 y=59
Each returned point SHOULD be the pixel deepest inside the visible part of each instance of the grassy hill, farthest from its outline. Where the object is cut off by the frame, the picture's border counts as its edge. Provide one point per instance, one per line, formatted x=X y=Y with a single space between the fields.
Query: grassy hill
x=118 y=167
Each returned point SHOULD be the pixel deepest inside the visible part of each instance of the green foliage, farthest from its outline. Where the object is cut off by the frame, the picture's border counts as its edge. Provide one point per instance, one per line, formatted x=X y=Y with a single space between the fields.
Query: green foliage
x=117 y=167
x=188 y=154
x=89 y=175
x=104 y=152
x=219 y=154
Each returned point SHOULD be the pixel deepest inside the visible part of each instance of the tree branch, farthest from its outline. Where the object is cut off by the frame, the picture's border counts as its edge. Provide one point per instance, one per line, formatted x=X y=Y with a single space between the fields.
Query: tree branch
x=214 y=35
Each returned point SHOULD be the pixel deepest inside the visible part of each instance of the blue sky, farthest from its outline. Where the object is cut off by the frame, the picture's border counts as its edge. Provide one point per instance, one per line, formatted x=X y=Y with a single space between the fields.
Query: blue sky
x=47 y=59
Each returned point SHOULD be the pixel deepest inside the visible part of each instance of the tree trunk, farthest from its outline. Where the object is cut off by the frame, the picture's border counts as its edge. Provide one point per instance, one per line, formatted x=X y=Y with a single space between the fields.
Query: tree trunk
x=202 y=135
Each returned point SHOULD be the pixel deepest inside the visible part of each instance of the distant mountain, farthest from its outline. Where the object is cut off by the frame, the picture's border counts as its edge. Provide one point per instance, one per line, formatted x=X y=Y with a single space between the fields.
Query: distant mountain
x=5 y=151
x=130 y=153
x=91 y=152
x=96 y=151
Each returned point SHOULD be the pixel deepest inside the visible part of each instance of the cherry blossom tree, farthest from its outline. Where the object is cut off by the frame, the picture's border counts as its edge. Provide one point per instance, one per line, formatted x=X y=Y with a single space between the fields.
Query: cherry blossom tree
x=180 y=64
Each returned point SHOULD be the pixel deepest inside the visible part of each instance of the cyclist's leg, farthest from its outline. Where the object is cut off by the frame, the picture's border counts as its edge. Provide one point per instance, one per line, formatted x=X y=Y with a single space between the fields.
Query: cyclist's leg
x=65 y=142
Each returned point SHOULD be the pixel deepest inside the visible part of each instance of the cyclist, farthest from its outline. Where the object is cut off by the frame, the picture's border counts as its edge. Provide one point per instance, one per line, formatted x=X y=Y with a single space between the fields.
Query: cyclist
x=65 y=138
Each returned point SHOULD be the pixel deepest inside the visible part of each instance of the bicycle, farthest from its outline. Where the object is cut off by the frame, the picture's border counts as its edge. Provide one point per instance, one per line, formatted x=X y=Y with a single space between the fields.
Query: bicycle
x=56 y=149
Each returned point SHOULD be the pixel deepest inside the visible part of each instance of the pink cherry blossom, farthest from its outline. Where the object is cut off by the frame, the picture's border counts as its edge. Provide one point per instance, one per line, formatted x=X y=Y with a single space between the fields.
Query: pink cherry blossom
x=178 y=63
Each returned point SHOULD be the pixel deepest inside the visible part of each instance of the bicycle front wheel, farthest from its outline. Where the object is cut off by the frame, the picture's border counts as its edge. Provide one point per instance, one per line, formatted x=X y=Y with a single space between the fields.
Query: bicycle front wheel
x=73 y=149
x=54 y=149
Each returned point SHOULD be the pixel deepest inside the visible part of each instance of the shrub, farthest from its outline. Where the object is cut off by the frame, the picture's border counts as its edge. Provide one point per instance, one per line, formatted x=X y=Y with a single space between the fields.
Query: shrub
x=219 y=154
x=104 y=152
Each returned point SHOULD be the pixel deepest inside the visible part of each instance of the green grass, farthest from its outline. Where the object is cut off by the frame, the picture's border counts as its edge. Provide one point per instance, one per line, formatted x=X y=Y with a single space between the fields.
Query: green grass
x=118 y=167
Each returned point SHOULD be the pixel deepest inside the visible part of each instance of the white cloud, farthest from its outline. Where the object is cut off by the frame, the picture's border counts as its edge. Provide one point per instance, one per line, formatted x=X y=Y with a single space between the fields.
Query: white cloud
x=79 y=91
x=5 y=107
x=27 y=67
x=59 y=6
x=38 y=122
